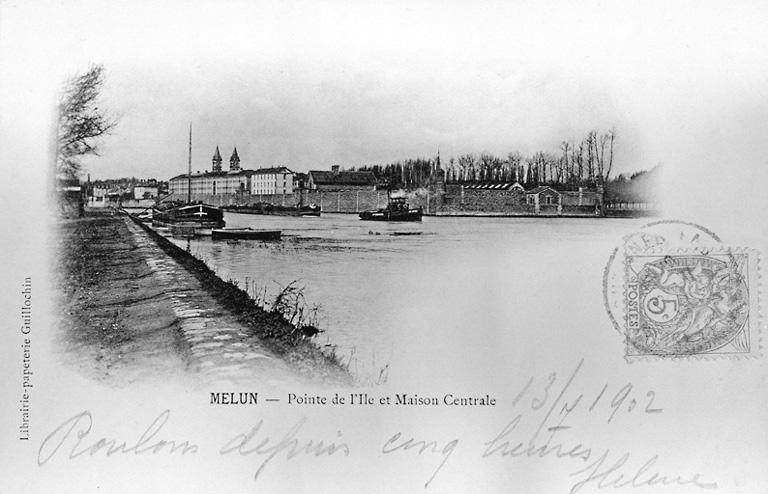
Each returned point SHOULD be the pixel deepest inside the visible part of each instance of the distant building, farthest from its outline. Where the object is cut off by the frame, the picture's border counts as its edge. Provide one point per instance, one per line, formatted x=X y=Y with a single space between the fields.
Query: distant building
x=99 y=193
x=70 y=198
x=279 y=180
x=216 y=161
x=336 y=180
x=144 y=192
x=97 y=196
x=542 y=195
x=300 y=180
x=512 y=198
x=234 y=161
x=217 y=181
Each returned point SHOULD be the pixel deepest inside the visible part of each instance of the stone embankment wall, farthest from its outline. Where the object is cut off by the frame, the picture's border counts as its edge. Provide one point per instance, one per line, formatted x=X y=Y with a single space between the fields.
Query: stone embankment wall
x=348 y=201
x=448 y=200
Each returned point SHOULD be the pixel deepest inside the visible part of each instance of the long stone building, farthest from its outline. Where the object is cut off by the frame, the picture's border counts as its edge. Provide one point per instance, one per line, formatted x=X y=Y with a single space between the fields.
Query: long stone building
x=336 y=180
x=514 y=198
x=236 y=181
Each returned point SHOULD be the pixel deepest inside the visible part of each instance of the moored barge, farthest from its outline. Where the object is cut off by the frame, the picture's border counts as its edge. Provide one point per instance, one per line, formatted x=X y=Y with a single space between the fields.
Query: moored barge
x=189 y=215
x=273 y=209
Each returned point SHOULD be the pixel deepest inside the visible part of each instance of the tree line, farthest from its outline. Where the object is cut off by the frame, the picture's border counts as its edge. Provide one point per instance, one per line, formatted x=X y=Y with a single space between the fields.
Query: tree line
x=640 y=186
x=586 y=162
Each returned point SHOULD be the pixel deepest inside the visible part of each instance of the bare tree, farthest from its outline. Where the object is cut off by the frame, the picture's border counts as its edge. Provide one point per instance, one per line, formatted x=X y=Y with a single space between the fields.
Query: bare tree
x=592 y=156
x=600 y=155
x=450 y=172
x=515 y=160
x=561 y=169
x=578 y=159
x=467 y=166
x=489 y=166
x=565 y=172
x=81 y=121
x=611 y=137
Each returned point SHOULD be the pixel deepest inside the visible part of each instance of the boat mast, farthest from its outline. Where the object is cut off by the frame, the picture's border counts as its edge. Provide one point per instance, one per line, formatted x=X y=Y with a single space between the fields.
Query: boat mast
x=189 y=171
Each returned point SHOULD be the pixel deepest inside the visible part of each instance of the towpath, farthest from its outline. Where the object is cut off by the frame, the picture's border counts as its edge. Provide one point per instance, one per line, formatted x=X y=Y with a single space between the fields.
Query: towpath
x=131 y=312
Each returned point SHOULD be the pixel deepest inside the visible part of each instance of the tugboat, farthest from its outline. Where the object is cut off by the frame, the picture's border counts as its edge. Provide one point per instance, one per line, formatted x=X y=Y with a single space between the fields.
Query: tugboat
x=397 y=210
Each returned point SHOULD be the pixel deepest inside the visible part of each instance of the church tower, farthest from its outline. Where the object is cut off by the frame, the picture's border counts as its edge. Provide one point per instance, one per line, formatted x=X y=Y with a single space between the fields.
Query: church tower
x=216 y=160
x=438 y=174
x=234 y=161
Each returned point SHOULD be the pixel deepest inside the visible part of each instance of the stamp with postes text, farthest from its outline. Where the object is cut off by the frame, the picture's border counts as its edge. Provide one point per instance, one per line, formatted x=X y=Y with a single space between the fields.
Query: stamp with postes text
x=687 y=304
x=674 y=290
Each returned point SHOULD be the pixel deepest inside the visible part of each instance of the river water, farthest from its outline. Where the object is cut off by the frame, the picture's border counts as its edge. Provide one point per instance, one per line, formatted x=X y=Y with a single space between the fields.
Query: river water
x=453 y=287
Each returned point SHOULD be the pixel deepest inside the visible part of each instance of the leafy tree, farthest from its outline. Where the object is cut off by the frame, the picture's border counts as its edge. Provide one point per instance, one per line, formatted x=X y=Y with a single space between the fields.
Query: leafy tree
x=81 y=122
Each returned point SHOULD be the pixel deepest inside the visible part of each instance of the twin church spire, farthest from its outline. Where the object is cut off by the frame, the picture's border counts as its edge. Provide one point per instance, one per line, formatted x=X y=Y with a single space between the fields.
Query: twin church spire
x=234 y=161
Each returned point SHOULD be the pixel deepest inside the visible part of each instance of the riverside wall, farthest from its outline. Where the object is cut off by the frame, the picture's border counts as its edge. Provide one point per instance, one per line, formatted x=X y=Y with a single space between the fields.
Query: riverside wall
x=345 y=201
x=439 y=200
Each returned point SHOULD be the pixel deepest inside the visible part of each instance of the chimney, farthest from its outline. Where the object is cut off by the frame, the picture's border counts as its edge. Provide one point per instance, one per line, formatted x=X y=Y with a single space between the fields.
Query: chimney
x=335 y=169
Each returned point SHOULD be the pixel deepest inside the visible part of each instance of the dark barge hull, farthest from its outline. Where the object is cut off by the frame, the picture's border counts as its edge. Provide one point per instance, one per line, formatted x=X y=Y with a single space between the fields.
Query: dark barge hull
x=386 y=215
x=245 y=234
x=275 y=210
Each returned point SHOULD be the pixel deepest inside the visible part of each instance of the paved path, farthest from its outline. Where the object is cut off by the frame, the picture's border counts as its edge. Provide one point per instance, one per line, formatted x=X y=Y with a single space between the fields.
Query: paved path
x=134 y=314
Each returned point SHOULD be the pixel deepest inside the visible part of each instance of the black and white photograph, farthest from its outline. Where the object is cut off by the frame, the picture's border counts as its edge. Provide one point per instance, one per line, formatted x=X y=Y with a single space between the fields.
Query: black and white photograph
x=494 y=246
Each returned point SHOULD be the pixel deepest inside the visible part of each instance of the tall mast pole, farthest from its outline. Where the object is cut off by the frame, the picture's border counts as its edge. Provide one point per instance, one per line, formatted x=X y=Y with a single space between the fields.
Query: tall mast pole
x=189 y=171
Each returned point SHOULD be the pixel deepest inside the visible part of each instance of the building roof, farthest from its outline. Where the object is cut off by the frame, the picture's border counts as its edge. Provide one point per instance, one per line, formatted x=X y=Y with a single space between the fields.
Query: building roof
x=491 y=185
x=217 y=154
x=215 y=174
x=275 y=169
x=323 y=177
x=234 y=156
x=540 y=189
x=509 y=186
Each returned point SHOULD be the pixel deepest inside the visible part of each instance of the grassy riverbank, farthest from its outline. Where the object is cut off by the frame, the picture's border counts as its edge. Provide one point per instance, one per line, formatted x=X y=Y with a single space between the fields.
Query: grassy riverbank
x=117 y=314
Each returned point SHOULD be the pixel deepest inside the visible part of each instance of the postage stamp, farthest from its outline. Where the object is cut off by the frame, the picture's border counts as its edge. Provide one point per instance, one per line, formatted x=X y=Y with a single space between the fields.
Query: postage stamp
x=674 y=290
x=687 y=304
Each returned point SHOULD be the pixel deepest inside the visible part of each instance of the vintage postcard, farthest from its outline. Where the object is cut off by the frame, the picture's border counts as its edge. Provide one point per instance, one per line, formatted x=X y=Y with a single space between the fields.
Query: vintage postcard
x=261 y=246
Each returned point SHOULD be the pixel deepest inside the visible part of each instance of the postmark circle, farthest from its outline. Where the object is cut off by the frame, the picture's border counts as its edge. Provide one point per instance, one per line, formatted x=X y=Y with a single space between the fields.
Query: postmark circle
x=657 y=236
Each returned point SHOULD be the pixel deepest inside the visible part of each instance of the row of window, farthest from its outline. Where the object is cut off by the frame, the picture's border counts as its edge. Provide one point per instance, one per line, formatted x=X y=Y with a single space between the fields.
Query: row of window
x=210 y=186
x=548 y=200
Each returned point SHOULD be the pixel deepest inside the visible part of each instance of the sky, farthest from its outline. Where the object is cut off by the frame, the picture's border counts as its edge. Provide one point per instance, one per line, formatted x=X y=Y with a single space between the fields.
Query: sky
x=311 y=84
